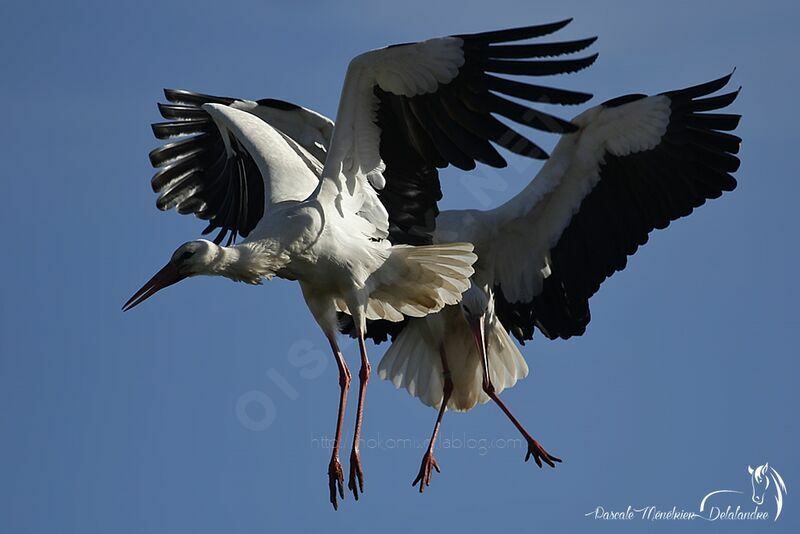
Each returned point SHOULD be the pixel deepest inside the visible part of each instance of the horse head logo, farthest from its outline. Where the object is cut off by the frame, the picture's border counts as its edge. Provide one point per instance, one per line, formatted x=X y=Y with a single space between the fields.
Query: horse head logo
x=763 y=478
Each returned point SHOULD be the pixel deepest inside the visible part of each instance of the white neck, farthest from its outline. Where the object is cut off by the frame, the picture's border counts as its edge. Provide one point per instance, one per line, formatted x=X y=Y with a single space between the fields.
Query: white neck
x=247 y=262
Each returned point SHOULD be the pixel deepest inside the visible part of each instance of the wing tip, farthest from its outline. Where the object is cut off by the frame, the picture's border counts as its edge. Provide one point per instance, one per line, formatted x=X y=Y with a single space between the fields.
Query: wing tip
x=703 y=89
x=517 y=34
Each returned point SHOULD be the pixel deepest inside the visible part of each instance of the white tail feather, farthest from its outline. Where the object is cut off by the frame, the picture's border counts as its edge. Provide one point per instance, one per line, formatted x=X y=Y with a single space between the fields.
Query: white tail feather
x=413 y=361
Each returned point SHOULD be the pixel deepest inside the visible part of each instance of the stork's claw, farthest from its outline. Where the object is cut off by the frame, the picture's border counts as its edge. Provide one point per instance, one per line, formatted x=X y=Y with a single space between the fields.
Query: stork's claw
x=356 y=473
x=335 y=480
x=539 y=454
x=426 y=471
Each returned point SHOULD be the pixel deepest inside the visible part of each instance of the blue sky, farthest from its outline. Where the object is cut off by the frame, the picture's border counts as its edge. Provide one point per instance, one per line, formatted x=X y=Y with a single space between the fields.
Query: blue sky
x=203 y=410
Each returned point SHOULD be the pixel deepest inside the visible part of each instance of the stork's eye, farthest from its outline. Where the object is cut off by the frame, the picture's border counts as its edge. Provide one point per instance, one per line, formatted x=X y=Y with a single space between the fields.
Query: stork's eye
x=186 y=255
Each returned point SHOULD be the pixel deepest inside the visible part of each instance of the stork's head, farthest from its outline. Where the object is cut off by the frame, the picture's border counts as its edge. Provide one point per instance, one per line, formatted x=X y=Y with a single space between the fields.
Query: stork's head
x=190 y=259
x=195 y=257
x=476 y=307
x=474 y=304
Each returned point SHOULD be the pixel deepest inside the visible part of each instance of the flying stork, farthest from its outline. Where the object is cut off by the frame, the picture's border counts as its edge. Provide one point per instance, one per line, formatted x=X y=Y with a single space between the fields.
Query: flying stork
x=345 y=210
x=635 y=164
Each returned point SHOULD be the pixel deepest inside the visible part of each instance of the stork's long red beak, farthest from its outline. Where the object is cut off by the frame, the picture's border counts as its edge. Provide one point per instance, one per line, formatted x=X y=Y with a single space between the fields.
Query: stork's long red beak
x=167 y=276
x=477 y=334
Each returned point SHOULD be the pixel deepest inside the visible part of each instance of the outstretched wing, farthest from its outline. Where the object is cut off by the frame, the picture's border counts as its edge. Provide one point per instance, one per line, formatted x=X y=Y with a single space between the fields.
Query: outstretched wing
x=211 y=172
x=636 y=164
x=409 y=109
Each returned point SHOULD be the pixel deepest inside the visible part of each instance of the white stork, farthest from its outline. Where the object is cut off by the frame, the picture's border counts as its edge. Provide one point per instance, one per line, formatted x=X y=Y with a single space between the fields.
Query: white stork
x=635 y=163
x=345 y=210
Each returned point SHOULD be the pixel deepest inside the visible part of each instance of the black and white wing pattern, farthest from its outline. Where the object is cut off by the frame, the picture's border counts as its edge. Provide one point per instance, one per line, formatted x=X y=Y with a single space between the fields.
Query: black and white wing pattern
x=408 y=110
x=211 y=171
x=636 y=164
x=422 y=106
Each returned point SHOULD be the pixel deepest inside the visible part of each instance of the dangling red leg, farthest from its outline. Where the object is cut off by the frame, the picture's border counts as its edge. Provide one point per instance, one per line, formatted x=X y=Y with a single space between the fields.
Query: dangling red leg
x=534 y=448
x=335 y=473
x=428 y=460
x=356 y=471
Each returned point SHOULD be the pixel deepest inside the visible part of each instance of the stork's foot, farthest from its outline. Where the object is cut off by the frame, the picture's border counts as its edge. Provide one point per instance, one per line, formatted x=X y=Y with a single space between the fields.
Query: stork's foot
x=426 y=471
x=335 y=481
x=356 y=474
x=539 y=454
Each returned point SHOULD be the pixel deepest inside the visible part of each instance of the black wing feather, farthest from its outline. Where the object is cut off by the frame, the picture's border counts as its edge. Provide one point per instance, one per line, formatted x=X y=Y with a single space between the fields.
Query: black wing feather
x=636 y=193
x=197 y=175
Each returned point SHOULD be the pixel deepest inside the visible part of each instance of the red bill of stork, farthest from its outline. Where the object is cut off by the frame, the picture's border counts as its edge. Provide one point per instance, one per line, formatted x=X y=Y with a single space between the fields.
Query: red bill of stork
x=346 y=210
x=634 y=164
